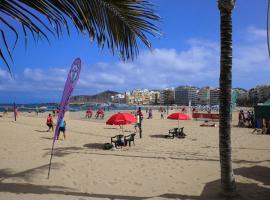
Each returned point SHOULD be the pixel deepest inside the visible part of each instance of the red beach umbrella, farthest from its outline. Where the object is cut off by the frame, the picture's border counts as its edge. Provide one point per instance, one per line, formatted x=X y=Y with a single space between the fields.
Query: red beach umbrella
x=178 y=116
x=121 y=119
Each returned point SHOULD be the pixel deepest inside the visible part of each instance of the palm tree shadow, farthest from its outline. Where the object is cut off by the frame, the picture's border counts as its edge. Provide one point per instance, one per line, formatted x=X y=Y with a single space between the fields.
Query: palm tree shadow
x=211 y=191
x=258 y=173
x=27 y=174
x=63 y=151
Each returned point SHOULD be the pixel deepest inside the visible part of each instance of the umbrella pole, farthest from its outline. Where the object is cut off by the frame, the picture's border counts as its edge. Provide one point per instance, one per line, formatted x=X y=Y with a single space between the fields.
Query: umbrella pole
x=178 y=124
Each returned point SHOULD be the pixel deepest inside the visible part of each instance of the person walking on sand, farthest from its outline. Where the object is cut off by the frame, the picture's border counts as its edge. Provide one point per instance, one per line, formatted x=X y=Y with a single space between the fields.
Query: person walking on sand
x=50 y=122
x=161 y=115
x=62 y=128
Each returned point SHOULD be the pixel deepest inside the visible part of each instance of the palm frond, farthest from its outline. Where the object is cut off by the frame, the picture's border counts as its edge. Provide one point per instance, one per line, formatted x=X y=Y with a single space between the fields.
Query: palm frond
x=120 y=24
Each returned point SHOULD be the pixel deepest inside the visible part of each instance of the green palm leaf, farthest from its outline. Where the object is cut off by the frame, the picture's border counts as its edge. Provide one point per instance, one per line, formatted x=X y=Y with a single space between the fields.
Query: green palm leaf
x=118 y=24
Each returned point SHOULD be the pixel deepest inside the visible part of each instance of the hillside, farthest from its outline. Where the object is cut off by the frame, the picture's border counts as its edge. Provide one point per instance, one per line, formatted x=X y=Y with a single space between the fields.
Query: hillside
x=97 y=98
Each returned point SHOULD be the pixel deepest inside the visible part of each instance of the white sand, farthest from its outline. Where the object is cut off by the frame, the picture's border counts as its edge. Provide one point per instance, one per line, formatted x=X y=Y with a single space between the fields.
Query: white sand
x=155 y=168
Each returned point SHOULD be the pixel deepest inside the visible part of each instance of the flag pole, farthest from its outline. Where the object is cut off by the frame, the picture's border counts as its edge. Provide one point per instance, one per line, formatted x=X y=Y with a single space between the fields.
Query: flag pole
x=51 y=160
x=72 y=79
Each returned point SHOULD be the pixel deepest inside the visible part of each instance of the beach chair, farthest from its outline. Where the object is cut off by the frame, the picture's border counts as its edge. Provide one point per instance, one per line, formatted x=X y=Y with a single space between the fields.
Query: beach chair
x=172 y=133
x=180 y=133
x=130 y=138
x=118 y=140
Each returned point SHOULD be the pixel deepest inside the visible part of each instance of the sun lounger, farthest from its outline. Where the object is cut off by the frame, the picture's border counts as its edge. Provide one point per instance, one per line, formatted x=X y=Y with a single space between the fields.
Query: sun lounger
x=208 y=125
x=118 y=140
x=130 y=138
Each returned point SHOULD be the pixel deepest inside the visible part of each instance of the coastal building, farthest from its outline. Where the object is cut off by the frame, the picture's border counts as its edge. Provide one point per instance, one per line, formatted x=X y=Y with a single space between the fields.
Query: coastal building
x=154 y=97
x=186 y=94
x=118 y=98
x=214 y=96
x=204 y=96
x=143 y=97
x=167 y=96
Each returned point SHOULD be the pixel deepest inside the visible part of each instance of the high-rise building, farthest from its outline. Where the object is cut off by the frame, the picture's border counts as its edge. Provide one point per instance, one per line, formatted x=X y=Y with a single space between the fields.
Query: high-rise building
x=186 y=94
x=204 y=96
x=214 y=97
x=154 y=97
x=167 y=96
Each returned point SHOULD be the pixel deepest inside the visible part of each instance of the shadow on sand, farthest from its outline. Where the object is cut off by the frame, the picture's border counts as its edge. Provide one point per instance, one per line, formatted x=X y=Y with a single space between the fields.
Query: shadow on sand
x=158 y=136
x=94 y=146
x=47 y=138
x=41 y=131
x=27 y=174
x=258 y=173
x=211 y=191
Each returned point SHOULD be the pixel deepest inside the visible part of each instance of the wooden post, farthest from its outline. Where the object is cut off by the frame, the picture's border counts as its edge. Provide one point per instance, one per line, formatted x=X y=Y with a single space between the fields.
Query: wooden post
x=140 y=121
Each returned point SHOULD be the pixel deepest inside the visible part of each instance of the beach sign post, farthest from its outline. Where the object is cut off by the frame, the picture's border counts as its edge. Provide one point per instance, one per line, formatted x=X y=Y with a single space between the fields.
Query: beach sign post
x=15 y=111
x=72 y=79
x=140 y=121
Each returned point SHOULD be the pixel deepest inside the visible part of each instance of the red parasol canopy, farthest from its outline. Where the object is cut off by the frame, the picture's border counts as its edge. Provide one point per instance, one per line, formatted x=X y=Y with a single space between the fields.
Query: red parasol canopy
x=121 y=119
x=178 y=116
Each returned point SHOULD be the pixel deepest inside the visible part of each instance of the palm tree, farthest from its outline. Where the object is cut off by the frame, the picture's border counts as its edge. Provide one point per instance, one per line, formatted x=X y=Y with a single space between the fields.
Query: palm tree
x=118 y=24
x=225 y=81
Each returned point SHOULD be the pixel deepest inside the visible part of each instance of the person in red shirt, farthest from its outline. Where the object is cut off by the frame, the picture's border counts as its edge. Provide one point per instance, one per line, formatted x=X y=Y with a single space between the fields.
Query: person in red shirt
x=50 y=122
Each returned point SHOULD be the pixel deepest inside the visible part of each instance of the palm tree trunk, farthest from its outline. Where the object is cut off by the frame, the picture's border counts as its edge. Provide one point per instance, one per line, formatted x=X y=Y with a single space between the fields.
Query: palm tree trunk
x=227 y=177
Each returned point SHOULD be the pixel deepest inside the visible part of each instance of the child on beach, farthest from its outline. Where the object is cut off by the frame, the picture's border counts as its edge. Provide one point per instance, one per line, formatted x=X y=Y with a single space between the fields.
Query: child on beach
x=62 y=128
x=50 y=122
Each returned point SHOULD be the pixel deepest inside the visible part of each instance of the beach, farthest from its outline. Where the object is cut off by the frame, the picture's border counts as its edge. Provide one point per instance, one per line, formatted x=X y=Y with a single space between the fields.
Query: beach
x=153 y=168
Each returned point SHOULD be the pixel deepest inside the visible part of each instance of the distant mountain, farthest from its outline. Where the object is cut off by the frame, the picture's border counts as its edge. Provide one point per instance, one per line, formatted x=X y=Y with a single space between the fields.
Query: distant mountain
x=97 y=98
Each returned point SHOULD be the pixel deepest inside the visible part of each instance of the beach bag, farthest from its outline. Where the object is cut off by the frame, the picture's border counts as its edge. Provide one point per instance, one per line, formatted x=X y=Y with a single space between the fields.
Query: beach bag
x=107 y=146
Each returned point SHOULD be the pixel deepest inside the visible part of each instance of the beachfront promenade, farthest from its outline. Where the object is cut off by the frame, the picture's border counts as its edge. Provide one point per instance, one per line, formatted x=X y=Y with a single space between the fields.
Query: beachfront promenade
x=155 y=168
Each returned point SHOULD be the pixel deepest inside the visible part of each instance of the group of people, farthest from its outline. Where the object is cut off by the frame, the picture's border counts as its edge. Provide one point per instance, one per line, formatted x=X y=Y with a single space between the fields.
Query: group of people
x=246 y=119
x=62 y=127
x=99 y=114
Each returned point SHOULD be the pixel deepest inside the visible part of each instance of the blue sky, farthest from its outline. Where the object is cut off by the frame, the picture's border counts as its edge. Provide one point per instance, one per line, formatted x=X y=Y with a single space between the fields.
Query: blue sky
x=186 y=54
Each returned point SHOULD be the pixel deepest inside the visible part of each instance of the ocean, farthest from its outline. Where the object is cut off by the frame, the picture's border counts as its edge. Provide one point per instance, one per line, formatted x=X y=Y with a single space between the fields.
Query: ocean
x=71 y=108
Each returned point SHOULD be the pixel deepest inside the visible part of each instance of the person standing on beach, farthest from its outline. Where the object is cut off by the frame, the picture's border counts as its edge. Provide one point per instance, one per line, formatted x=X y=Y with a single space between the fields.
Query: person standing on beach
x=161 y=115
x=62 y=128
x=50 y=122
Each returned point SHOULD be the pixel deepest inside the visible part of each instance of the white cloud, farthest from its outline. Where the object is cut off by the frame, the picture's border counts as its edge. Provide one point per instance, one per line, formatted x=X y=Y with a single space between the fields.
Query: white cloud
x=196 y=65
x=256 y=33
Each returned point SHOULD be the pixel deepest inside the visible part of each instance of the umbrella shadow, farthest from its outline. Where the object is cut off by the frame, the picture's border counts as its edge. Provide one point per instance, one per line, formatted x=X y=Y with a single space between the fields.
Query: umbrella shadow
x=94 y=145
x=110 y=128
x=158 y=136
